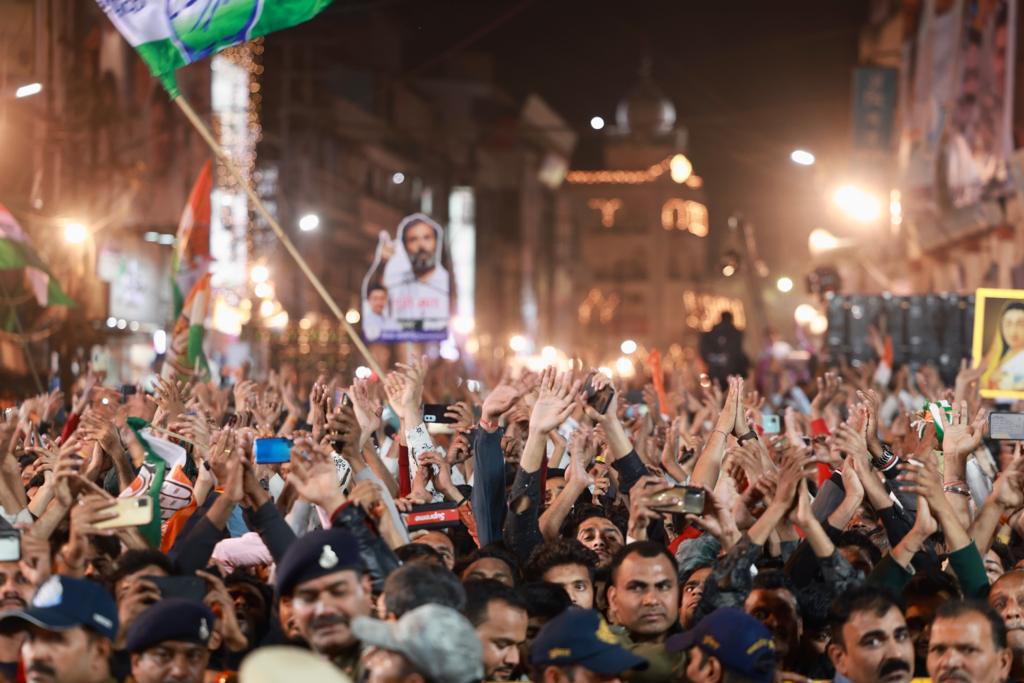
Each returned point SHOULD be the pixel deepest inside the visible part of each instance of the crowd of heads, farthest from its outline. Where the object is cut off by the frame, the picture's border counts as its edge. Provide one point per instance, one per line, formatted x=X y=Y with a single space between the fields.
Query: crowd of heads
x=556 y=527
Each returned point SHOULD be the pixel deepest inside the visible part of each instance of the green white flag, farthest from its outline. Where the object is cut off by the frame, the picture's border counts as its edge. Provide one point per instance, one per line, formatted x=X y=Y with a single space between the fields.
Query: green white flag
x=160 y=477
x=16 y=251
x=170 y=34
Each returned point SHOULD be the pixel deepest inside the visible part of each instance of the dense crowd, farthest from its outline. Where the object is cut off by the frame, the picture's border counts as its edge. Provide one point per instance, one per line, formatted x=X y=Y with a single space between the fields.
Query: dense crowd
x=557 y=527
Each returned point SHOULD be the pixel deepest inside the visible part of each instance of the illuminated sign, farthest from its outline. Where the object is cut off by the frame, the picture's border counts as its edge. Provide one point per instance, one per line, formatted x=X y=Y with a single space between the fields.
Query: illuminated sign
x=686 y=215
x=607 y=207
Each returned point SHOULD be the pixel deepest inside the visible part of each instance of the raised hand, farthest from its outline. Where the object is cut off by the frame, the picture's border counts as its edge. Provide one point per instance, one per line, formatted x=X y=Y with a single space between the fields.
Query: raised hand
x=171 y=397
x=828 y=387
x=462 y=413
x=367 y=407
x=600 y=381
x=314 y=475
x=267 y=409
x=554 y=402
x=499 y=401
x=961 y=435
x=245 y=396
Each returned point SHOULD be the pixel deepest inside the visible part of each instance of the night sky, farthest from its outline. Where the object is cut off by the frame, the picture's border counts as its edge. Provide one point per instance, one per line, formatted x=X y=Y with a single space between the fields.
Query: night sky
x=751 y=81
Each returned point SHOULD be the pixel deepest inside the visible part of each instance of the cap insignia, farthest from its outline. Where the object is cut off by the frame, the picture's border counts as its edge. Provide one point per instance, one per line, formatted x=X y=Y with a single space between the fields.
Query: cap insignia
x=328 y=558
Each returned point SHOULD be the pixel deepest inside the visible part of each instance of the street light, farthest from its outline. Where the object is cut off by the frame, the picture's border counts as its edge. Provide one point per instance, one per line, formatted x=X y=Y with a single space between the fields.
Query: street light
x=352 y=316
x=784 y=284
x=857 y=203
x=75 y=233
x=549 y=354
x=398 y=178
x=517 y=343
x=597 y=123
x=625 y=367
x=805 y=314
x=628 y=347
x=802 y=157
x=28 y=90
x=680 y=169
x=259 y=273
x=309 y=222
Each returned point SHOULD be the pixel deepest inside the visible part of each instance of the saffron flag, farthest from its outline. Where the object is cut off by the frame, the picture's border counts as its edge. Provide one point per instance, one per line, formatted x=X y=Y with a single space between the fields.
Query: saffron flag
x=170 y=34
x=191 y=257
x=16 y=251
x=185 y=356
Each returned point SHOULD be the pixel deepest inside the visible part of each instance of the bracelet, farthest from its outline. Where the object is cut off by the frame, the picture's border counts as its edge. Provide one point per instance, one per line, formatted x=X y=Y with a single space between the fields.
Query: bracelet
x=487 y=425
x=749 y=436
x=1003 y=520
x=722 y=432
x=885 y=461
x=956 y=489
x=956 y=483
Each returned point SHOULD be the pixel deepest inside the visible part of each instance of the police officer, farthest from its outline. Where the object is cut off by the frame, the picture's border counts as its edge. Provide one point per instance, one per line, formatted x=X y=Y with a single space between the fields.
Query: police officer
x=70 y=627
x=578 y=646
x=325 y=577
x=169 y=642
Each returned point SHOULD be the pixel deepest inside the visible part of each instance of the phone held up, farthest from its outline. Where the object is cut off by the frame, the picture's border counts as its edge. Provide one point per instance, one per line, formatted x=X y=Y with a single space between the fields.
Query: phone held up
x=1006 y=426
x=680 y=500
x=272 y=450
x=598 y=399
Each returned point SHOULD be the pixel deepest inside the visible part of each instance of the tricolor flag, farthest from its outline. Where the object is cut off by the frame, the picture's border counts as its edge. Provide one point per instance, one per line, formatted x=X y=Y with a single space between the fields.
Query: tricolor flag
x=16 y=251
x=185 y=347
x=161 y=476
x=191 y=257
x=169 y=34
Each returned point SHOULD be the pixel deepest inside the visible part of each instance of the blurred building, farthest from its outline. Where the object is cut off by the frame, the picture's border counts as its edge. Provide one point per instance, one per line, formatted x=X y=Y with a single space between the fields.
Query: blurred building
x=100 y=145
x=354 y=136
x=634 y=225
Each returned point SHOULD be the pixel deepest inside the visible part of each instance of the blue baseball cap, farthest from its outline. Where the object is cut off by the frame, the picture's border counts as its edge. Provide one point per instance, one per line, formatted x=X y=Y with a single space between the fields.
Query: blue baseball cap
x=581 y=636
x=64 y=603
x=739 y=641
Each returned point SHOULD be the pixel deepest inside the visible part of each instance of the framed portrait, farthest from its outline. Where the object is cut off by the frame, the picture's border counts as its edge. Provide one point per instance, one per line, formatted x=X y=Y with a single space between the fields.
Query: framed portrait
x=999 y=342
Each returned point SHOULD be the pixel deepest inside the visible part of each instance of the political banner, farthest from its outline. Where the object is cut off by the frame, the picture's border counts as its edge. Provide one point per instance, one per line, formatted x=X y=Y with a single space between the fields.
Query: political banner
x=406 y=294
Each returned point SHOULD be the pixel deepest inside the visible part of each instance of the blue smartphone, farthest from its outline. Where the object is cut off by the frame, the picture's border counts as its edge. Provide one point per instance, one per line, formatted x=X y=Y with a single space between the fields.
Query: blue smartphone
x=272 y=451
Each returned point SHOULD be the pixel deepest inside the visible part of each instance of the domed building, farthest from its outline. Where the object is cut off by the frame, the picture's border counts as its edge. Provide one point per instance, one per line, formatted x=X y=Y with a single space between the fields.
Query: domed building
x=635 y=230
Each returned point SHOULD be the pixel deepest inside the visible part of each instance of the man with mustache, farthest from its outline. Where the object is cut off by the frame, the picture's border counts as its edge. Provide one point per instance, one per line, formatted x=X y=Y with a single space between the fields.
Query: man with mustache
x=500 y=618
x=17 y=584
x=324 y=575
x=168 y=642
x=411 y=272
x=643 y=601
x=70 y=626
x=968 y=645
x=870 y=638
x=1007 y=598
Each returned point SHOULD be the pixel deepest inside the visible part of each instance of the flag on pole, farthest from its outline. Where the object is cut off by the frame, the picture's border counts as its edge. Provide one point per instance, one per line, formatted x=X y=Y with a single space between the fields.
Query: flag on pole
x=16 y=251
x=169 y=34
x=161 y=476
x=185 y=347
x=191 y=256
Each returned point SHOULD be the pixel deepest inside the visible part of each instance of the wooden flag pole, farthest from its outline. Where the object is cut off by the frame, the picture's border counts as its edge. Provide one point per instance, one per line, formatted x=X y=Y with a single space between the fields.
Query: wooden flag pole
x=229 y=163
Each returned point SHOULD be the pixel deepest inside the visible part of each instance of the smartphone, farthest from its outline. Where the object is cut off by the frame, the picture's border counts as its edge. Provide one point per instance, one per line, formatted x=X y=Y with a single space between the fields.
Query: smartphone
x=272 y=450
x=432 y=516
x=598 y=399
x=10 y=545
x=680 y=499
x=434 y=413
x=131 y=511
x=771 y=423
x=1006 y=426
x=190 y=588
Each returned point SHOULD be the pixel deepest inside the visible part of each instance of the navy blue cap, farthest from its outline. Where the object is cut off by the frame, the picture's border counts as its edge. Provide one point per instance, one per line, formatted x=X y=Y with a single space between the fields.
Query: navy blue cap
x=170 y=619
x=739 y=641
x=63 y=603
x=581 y=636
x=317 y=554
